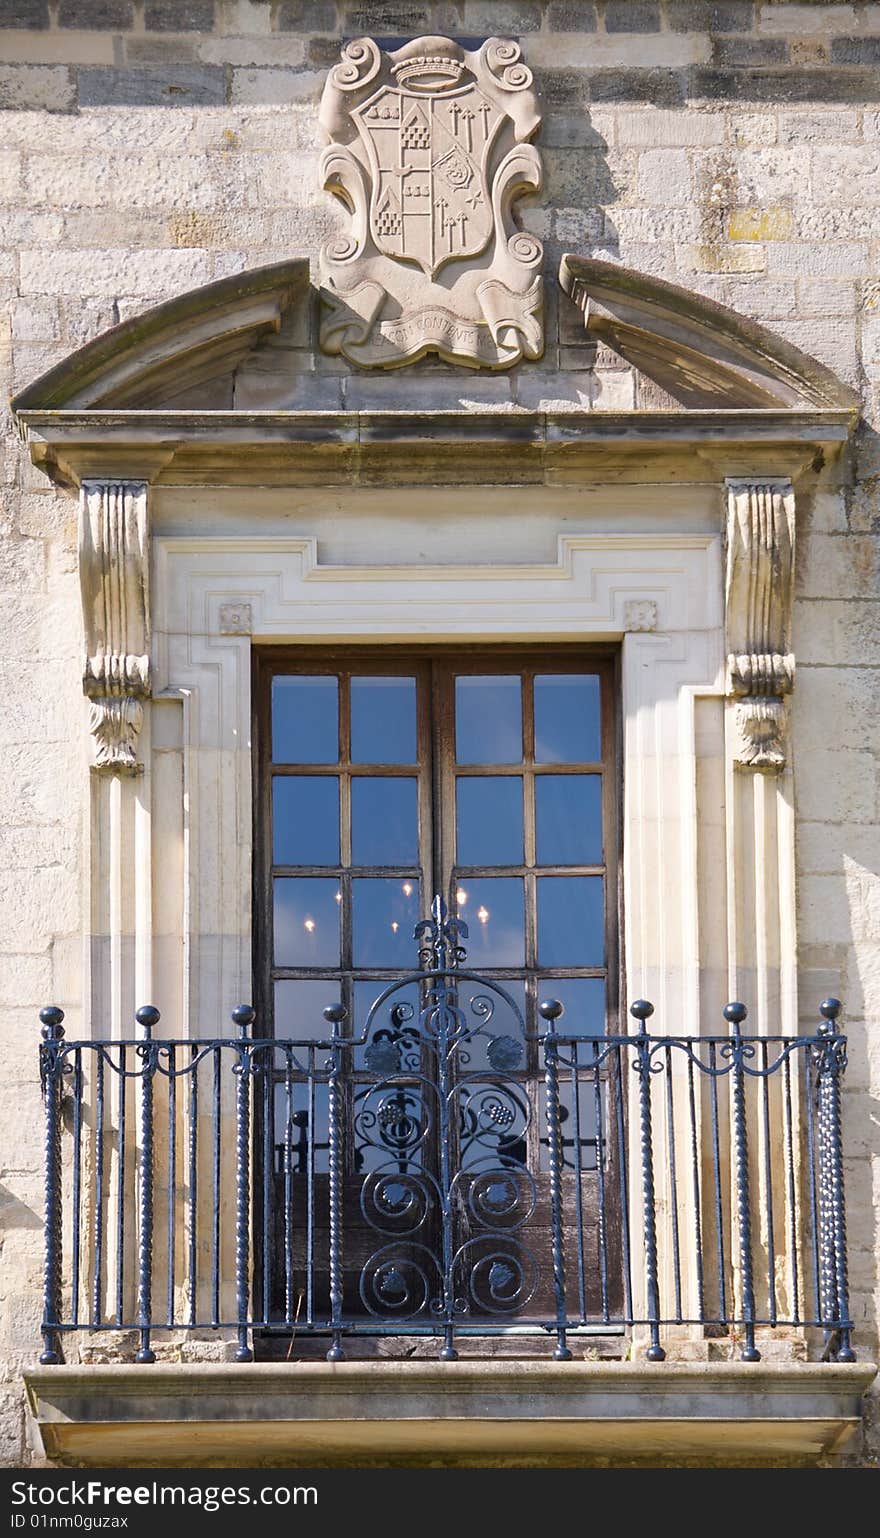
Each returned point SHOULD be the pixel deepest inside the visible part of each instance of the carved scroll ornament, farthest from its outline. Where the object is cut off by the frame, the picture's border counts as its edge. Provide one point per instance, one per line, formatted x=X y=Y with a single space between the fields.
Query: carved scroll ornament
x=114 y=581
x=759 y=593
x=428 y=153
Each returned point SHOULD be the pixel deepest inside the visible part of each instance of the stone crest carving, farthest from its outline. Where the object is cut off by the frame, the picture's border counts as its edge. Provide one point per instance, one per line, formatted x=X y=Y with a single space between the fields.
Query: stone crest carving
x=114 y=582
x=759 y=591
x=428 y=151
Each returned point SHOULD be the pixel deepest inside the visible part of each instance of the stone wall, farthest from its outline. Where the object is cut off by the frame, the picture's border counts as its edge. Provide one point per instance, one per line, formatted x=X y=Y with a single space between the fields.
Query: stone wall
x=150 y=147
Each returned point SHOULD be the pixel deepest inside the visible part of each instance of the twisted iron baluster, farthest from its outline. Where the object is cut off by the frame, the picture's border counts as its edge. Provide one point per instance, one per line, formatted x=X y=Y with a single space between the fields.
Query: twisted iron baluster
x=642 y=1010
x=334 y=1014
x=735 y=1014
x=243 y=1017
x=550 y=1011
x=830 y=1060
x=147 y=1017
x=51 y=1069
x=442 y=992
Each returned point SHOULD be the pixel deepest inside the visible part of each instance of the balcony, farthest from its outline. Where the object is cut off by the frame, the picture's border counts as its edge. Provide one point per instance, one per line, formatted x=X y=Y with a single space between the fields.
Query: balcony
x=443 y=1233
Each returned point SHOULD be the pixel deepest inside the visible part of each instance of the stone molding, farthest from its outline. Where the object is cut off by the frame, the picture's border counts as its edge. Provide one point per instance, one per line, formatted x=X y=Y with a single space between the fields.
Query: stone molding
x=759 y=592
x=114 y=583
x=428 y=153
x=721 y=1411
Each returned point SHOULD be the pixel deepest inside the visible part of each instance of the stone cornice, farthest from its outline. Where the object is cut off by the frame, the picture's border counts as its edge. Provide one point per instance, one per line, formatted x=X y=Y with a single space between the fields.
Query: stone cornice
x=178 y=1412
x=447 y=447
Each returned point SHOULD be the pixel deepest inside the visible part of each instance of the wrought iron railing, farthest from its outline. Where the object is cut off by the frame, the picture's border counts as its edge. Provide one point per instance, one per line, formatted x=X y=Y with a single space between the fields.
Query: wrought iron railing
x=445 y=1172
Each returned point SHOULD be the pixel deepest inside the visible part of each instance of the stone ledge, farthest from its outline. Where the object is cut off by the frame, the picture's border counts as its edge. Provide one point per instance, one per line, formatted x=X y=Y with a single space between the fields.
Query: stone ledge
x=185 y=1413
x=510 y=446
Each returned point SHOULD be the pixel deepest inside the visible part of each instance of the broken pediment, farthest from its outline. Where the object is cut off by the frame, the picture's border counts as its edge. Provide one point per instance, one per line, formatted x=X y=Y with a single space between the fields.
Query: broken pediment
x=701 y=354
x=220 y=385
x=190 y=341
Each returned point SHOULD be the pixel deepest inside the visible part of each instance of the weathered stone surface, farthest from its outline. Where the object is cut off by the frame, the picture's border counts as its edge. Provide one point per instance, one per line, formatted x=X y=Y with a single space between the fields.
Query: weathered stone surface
x=37 y=87
x=103 y=15
x=174 y=16
x=175 y=86
x=25 y=13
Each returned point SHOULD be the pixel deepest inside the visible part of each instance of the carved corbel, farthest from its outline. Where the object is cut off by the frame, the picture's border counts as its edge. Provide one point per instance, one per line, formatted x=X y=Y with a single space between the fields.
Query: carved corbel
x=759 y=591
x=114 y=581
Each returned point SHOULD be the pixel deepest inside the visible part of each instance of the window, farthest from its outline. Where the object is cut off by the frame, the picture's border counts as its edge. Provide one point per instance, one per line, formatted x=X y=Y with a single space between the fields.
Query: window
x=488 y=777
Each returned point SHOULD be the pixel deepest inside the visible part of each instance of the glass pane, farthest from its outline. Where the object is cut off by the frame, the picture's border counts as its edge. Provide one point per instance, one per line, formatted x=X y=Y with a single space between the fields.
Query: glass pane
x=578 y=1125
x=571 y=921
x=384 y=915
x=568 y=816
x=488 y=720
x=489 y=820
x=305 y=720
x=305 y=820
x=292 y=1119
x=307 y=921
x=384 y=821
x=584 y=1002
x=492 y=907
x=299 y=1007
x=567 y=719
x=383 y=720
x=497 y=1043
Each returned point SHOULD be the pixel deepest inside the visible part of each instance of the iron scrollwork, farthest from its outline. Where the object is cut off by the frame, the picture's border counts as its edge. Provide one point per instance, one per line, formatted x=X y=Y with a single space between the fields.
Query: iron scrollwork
x=450 y=1221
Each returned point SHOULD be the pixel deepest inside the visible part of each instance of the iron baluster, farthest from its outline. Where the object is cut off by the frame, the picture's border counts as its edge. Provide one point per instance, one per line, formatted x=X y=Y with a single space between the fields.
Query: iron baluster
x=550 y=1011
x=76 y=1199
x=334 y=1014
x=243 y=1017
x=695 y=1186
x=51 y=1069
x=642 y=1010
x=172 y=1177
x=790 y=1194
x=120 y=1195
x=147 y=1017
x=441 y=995
x=673 y=1184
x=288 y=1184
x=735 y=1014
x=831 y=1064
x=215 y=1150
x=768 y=1185
x=98 y=1262
x=193 y=1164
x=716 y=1186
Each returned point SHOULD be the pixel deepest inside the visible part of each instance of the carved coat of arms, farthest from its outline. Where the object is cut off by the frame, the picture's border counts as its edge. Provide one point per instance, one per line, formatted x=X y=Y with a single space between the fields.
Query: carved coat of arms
x=428 y=151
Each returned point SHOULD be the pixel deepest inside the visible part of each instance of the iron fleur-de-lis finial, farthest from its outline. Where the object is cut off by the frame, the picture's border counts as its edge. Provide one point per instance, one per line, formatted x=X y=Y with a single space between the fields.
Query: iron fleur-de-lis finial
x=440 y=937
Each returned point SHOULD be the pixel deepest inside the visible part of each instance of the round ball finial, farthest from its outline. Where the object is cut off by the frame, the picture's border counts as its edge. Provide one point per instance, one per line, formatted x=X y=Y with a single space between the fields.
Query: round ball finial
x=243 y=1016
x=829 y=1009
x=735 y=1013
x=551 y=1009
x=334 y=1014
x=51 y=1018
x=148 y=1016
x=642 y=1009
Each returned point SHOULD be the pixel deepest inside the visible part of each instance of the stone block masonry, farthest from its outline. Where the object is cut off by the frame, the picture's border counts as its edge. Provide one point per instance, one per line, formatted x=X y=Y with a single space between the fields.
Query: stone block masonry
x=150 y=146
